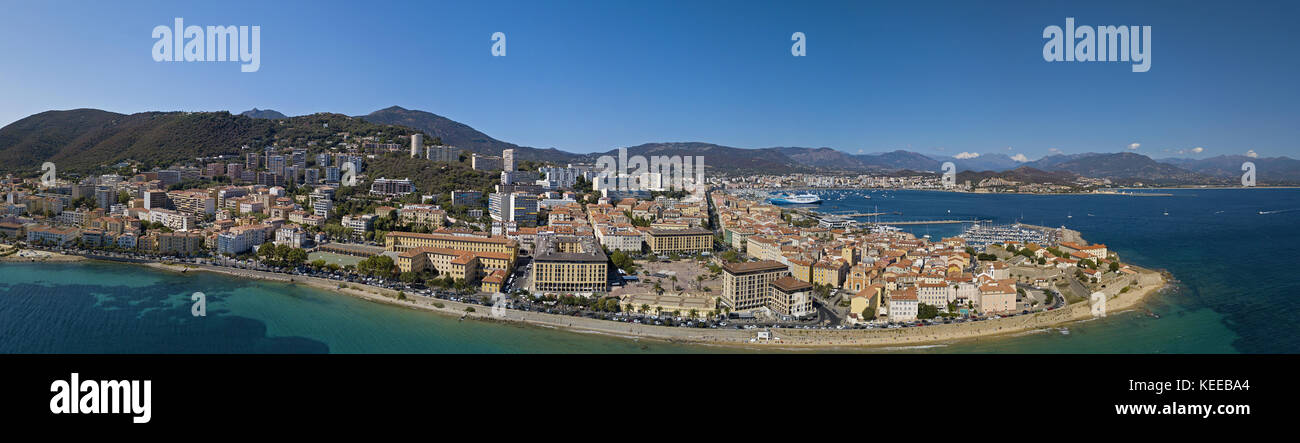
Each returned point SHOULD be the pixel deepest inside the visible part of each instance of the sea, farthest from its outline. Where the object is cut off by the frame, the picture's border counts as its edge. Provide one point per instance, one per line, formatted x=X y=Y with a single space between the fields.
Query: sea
x=1232 y=253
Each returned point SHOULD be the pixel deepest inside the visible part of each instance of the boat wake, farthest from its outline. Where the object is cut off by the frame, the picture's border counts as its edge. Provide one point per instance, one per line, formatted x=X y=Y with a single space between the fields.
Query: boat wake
x=1278 y=211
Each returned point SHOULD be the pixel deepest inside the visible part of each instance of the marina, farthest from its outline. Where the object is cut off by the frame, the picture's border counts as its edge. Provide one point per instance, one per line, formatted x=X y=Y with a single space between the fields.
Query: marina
x=982 y=235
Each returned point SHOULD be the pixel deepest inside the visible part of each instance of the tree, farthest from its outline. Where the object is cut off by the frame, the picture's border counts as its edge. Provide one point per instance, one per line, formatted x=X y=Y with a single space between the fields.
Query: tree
x=296 y=257
x=266 y=251
x=408 y=277
x=282 y=252
x=868 y=313
x=1114 y=266
x=378 y=265
x=925 y=311
x=623 y=261
x=730 y=256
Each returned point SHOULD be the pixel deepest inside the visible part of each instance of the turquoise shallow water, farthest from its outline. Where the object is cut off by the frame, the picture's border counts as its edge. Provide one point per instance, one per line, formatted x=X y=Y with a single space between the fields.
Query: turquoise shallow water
x=1236 y=292
x=117 y=308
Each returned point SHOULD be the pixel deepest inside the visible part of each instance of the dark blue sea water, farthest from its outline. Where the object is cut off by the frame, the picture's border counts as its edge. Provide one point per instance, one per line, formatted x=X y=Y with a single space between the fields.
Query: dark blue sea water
x=1236 y=293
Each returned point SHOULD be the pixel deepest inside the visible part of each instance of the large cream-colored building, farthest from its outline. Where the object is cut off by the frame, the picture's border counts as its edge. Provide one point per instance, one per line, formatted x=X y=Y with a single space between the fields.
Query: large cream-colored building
x=801 y=268
x=763 y=248
x=791 y=296
x=403 y=241
x=998 y=297
x=424 y=215
x=1095 y=251
x=830 y=273
x=663 y=241
x=450 y=262
x=195 y=203
x=569 y=264
x=178 y=243
x=747 y=285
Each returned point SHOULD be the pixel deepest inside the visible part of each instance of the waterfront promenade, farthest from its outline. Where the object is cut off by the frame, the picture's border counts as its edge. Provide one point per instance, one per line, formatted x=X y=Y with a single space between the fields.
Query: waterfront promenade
x=1148 y=283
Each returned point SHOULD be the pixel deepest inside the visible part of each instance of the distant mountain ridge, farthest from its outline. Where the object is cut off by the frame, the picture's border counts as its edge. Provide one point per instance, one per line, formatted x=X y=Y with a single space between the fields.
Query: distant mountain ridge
x=1123 y=168
x=1023 y=174
x=1228 y=167
x=82 y=137
x=86 y=139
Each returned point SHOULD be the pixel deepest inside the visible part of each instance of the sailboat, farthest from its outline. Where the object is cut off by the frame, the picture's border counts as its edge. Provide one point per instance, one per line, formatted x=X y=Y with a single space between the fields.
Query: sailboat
x=1166 y=211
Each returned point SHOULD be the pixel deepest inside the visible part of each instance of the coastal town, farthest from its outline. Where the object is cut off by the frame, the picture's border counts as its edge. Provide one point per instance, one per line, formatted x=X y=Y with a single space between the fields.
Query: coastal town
x=560 y=240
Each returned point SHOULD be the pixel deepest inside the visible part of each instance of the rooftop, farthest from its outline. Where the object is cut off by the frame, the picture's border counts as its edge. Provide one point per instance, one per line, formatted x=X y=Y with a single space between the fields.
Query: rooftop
x=758 y=266
x=789 y=284
x=589 y=251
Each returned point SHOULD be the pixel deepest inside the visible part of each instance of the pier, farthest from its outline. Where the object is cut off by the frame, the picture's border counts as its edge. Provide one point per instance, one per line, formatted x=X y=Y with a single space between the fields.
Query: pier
x=930 y=222
x=863 y=214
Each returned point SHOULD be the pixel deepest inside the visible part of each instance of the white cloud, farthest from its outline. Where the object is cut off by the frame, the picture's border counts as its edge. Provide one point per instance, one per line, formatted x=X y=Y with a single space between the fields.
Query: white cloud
x=1054 y=150
x=1134 y=146
x=1198 y=150
x=859 y=151
x=1020 y=158
x=1251 y=153
x=966 y=155
x=1008 y=148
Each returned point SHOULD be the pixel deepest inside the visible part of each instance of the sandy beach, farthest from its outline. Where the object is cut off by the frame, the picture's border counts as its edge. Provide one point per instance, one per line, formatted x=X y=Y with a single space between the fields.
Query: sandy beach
x=1149 y=282
x=31 y=255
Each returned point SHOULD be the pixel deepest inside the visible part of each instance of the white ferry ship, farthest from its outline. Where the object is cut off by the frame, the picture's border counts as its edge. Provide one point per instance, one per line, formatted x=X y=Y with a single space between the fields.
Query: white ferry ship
x=801 y=199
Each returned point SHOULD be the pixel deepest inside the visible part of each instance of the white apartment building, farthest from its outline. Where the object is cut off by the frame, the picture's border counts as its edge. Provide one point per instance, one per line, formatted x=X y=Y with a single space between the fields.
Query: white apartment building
x=903 y=305
x=172 y=219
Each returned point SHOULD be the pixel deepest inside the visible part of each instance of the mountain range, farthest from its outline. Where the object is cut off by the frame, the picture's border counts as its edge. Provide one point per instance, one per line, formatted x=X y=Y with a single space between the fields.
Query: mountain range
x=84 y=138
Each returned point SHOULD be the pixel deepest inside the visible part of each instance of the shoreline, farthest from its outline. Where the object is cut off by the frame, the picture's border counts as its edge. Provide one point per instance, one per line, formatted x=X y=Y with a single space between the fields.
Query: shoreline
x=36 y=256
x=782 y=338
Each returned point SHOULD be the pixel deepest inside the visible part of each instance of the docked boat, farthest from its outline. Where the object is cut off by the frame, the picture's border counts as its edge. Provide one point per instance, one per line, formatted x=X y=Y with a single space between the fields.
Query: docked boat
x=801 y=199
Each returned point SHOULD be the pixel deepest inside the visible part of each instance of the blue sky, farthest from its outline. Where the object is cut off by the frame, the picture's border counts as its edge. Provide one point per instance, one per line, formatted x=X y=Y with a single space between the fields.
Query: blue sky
x=933 y=77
